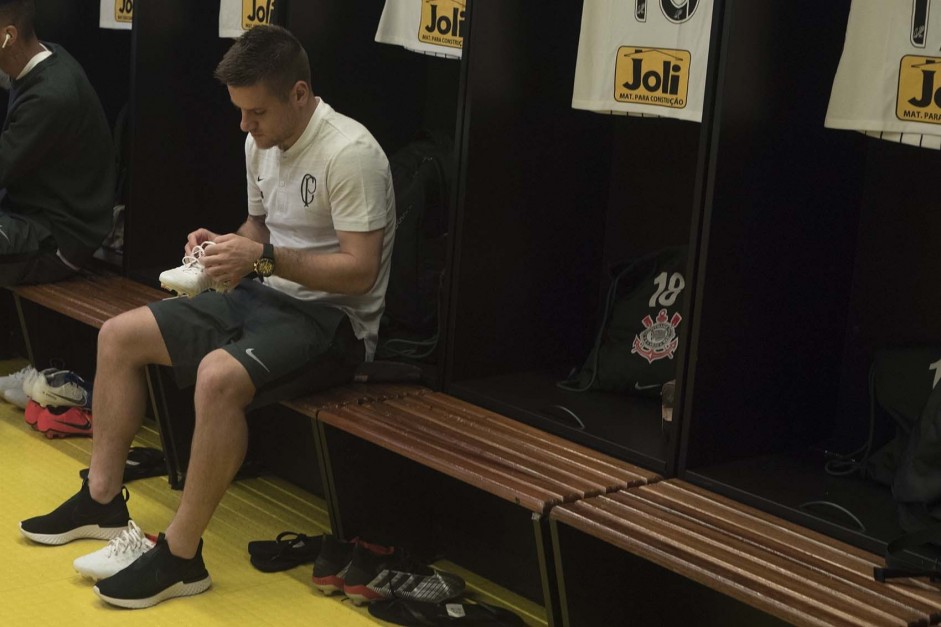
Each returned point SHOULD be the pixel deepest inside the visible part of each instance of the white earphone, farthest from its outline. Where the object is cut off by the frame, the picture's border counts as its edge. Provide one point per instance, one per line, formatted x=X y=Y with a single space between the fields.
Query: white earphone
x=6 y=40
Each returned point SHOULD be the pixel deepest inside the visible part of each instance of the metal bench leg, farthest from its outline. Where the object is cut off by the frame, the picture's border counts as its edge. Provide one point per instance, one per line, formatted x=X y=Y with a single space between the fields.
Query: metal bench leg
x=326 y=473
x=23 y=328
x=547 y=570
x=160 y=407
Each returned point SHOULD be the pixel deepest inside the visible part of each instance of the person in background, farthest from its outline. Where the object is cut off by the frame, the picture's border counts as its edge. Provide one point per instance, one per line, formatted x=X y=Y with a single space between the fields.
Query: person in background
x=57 y=171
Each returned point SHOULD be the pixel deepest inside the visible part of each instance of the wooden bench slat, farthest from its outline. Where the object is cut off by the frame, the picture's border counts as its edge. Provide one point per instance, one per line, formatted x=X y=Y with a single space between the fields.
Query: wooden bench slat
x=499 y=452
x=627 y=475
x=353 y=394
x=793 y=572
x=504 y=443
x=787 y=570
x=637 y=541
x=787 y=538
x=92 y=299
x=762 y=529
x=492 y=452
x=469 y=471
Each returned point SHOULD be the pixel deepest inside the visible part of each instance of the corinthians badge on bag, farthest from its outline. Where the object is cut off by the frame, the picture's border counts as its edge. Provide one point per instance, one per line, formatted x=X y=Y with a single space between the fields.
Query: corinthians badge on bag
x=658 y=340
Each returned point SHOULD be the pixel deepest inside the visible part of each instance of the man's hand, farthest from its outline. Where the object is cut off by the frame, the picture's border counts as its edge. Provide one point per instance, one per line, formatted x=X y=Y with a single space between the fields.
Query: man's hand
x=198 y=238
x=232 y=258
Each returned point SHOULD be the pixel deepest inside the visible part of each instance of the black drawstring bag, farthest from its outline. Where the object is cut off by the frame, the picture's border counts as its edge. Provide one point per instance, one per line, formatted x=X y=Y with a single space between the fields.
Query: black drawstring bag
x=634 y=351
x=905 y=385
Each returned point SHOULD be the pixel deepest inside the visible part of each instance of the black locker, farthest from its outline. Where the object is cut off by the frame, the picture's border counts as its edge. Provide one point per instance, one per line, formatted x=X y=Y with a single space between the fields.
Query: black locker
x=395 y=93
x=187 y=170
x=550 y=199
x=187 y=161
x=104 y=54
x=818 y=249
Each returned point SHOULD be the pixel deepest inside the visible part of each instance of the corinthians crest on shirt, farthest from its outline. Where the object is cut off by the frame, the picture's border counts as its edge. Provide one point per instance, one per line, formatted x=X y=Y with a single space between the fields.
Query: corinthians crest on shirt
x=658 y=340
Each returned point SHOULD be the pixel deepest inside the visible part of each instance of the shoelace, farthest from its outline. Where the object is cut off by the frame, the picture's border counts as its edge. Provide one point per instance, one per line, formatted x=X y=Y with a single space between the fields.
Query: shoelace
x=20 y=375
x=191 y=261
x=131 y=539
x=29 y=379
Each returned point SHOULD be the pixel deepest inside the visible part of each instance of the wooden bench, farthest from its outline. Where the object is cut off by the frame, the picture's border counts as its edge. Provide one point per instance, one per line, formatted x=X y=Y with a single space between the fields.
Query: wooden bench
x=686 y=553
x=485 y=505
x=493 y=481
x=92 y=299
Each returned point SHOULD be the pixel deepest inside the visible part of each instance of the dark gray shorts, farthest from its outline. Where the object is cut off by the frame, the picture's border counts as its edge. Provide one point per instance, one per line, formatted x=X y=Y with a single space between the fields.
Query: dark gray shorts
x=288 y=346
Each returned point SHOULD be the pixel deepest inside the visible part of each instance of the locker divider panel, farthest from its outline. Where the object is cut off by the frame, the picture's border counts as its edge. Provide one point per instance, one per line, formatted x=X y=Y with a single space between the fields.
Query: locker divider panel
x=551 y=199
x=818 y=248
x=187 y=158
x=104 y=54
x=397 y=94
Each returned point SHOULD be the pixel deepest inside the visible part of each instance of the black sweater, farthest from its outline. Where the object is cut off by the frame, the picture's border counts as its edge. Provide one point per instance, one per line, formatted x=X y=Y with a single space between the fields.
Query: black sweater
x=56 y=156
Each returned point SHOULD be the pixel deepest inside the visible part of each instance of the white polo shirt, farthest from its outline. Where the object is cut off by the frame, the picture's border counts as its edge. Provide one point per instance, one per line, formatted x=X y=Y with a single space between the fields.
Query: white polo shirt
x=335 y=177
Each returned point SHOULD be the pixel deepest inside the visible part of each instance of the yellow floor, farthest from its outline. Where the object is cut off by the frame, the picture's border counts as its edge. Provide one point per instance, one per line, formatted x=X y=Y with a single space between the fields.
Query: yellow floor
x=39 y=586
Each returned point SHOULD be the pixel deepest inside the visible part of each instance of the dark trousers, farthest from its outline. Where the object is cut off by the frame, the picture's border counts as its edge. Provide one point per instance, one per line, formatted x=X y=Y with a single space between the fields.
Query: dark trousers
x=28 y=252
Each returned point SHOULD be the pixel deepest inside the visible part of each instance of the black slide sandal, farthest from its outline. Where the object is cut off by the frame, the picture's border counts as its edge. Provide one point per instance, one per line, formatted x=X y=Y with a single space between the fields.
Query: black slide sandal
x=142 y=462
x=288 y=550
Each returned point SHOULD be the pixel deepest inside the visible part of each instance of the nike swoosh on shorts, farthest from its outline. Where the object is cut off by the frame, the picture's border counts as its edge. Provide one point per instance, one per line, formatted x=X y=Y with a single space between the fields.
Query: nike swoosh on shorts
x=251 y=353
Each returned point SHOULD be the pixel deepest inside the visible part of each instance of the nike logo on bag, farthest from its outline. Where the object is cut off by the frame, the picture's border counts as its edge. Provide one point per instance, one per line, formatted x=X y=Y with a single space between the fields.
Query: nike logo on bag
x=260 y=179
x=251 y=353
x=638 y=386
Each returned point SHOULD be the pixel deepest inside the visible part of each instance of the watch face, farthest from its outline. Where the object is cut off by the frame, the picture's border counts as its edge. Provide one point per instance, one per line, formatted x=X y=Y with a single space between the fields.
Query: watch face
x=264 y=266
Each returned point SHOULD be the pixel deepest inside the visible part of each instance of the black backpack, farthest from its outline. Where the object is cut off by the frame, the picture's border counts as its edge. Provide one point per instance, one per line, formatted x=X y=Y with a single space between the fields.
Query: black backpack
x=904 y=385
x=421 y=177
x=639 y=333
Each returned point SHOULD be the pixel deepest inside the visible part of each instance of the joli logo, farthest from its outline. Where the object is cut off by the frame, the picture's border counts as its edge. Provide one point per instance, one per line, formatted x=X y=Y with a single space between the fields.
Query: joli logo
x=255 y=12
x=652 y=76
x=919 y=96
x=442 y=23
x=124 y=11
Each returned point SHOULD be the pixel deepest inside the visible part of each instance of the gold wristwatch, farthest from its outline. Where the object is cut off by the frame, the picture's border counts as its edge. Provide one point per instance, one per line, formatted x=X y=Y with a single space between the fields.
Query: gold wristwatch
x=264 y=265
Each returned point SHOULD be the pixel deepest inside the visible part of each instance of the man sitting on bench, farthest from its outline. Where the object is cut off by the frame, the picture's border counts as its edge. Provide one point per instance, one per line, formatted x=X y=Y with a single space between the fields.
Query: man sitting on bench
x=57 y=171
x=320 y=229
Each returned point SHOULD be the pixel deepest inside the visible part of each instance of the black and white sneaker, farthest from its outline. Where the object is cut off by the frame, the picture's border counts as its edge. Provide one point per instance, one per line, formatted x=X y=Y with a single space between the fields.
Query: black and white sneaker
x=156 y=576
x=371 y=577
x=334 y=560
x=80 y=517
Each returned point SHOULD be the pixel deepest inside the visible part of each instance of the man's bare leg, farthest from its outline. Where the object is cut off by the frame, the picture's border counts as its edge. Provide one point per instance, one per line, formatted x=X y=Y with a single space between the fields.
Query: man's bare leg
x=126 y=345
x=220 y=441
